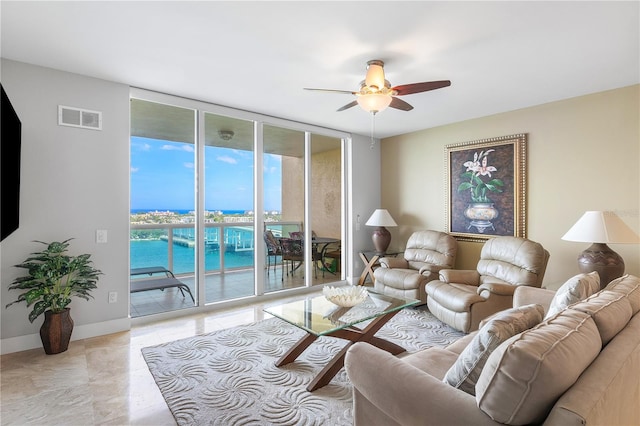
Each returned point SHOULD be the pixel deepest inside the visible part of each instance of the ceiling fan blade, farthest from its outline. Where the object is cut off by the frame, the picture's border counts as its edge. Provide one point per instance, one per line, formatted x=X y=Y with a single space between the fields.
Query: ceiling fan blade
x=400 y=104
x=349 y=105
x=407 y=89
x=348 y=92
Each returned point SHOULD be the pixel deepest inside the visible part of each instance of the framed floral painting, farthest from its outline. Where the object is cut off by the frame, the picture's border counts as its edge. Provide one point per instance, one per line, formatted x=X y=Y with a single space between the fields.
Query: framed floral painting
x=485 y=187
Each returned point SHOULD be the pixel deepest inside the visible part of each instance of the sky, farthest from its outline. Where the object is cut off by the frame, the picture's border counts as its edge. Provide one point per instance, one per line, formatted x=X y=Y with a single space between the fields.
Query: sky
x=163 y=177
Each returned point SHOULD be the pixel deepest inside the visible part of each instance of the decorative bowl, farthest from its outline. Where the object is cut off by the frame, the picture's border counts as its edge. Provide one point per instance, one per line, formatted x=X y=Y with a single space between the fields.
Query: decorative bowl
x=345 y=297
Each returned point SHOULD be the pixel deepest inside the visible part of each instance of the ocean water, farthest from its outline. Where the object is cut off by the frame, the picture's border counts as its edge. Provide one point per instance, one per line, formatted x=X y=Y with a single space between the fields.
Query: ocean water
x=145 y=253
x=186 y=211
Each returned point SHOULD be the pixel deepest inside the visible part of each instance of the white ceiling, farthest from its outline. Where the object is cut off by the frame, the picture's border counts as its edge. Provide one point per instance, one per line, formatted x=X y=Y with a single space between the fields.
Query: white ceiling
x=258 y=56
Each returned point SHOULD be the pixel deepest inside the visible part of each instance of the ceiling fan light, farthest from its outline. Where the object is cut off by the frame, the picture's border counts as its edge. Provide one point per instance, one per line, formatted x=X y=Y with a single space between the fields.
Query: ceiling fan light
x=374 y=102
x=375 y=74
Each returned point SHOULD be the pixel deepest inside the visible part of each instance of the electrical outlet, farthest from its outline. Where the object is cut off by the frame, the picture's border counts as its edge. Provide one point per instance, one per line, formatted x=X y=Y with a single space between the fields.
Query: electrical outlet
x=101 y=236
x=113 y=296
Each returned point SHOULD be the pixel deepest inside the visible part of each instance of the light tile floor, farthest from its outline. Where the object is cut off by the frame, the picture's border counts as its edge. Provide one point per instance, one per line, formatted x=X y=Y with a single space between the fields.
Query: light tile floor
x=102 y=380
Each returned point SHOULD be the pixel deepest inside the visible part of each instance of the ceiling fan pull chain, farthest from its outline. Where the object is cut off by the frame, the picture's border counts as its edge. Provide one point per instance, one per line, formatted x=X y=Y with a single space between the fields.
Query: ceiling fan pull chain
x=373 y=129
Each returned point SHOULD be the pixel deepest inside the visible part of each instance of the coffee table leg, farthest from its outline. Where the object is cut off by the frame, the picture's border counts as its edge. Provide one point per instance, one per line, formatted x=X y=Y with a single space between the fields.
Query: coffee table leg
x=386 y=345
x=330 y=370
x=296 y=350
x=366 y=335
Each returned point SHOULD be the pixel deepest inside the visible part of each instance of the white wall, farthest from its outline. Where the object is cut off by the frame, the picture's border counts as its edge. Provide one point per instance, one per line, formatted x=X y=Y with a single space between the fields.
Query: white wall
x=73 y=182
x=364 y=193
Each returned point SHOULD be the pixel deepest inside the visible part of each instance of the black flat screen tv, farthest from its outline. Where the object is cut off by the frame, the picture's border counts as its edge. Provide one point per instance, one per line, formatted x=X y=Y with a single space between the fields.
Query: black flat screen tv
x=10 y=142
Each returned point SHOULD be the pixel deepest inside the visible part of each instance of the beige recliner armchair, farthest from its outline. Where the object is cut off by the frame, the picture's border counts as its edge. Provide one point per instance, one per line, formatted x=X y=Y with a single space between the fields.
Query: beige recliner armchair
x=463 y=298
x=426 y=254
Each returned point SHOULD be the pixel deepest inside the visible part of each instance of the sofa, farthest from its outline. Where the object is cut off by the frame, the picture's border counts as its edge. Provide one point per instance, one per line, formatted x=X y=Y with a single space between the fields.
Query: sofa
x=427 y=252
x=579 y=366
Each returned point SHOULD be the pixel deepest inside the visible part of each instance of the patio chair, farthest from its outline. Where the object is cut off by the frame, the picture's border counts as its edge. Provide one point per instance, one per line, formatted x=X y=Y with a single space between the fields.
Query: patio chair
x=273 y=249
x=292 y=252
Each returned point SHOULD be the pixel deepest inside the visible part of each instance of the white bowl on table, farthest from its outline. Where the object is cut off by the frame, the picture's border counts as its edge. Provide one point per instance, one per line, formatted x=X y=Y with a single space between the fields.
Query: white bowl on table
x=347 y=296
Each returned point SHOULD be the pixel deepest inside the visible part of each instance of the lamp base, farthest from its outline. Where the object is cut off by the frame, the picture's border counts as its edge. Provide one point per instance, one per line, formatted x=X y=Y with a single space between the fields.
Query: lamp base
x=600 y=258
x=381 y=239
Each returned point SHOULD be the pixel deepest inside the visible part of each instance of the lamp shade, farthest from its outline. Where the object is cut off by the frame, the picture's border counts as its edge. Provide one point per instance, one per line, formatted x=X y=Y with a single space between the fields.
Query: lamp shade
x=374 y=102
x=375 y=74
x=601 y=227
x=381 y=217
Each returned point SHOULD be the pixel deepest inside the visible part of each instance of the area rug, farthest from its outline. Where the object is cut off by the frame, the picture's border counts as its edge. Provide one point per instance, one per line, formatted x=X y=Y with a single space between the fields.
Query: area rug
x=229 y=377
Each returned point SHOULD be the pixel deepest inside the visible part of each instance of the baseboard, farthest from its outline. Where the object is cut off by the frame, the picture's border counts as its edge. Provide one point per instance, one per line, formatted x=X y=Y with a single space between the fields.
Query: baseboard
x=32 y=341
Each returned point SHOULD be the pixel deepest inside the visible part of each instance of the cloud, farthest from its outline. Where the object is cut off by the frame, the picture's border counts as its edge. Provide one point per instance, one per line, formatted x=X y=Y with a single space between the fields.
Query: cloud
x=184 y=147
x=188 y=165
x=134 y=169
x=227 y=159
x=141 y=146
x=243 y=154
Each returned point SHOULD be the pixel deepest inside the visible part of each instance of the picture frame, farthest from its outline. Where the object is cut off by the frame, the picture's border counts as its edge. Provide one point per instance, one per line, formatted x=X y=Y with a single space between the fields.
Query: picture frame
x=486 y=188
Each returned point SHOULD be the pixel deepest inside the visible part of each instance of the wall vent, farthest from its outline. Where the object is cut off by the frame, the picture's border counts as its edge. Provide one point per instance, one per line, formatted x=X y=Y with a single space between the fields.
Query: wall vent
x=77 y=117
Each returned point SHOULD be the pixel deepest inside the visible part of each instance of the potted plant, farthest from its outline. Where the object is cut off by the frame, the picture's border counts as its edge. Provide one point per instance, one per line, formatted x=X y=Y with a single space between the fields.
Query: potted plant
x=53 y=278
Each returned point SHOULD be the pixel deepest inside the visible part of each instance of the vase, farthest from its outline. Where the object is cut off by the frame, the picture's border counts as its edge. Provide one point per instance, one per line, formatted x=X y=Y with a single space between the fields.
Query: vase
x=56 y=330
x=481 y=216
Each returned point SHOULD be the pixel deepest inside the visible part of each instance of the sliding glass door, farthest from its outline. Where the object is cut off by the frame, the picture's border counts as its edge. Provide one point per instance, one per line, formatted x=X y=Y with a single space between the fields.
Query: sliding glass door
x=210 y=215
x=326 y=205
x=162 y=182
x=229 y=212
x=284 y=191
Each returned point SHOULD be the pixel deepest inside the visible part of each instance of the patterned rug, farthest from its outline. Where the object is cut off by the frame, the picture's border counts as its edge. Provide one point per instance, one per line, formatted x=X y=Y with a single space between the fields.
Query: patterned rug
x=229 y=377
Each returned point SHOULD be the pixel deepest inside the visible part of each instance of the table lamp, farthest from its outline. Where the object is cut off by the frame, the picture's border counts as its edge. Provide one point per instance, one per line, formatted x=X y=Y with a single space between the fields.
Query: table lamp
x=381 y=235
x=601 y=228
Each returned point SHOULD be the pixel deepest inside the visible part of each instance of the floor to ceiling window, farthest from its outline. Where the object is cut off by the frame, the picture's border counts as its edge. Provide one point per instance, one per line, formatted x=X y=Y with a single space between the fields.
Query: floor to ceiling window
x=326 y=204
x=162 y=182
x=200 y=212
x=229 y=239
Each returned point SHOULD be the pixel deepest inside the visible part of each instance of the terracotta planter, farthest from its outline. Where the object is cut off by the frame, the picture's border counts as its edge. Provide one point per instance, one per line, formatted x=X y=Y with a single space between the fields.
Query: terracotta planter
x=56 y=331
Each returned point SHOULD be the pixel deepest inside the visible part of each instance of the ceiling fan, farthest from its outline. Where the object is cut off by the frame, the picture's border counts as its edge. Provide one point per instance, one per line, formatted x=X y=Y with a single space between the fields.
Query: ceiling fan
x=376 y=93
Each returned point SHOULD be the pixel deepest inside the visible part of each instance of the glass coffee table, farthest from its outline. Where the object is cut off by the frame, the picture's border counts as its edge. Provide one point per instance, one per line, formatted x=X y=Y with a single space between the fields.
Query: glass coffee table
x=319 y=317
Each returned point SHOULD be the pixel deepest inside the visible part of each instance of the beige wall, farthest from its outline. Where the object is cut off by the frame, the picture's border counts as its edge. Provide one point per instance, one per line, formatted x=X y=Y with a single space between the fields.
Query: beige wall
x=326 y=184
x=583 y=154
x=292 y=189
x=325 y=190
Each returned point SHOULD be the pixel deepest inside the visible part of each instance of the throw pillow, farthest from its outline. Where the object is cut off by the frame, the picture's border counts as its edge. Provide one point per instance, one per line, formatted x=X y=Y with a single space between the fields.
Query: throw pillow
x=610 y=310
x=524 y=377
x=577 y=288
x=629 y=285
x=464 y=373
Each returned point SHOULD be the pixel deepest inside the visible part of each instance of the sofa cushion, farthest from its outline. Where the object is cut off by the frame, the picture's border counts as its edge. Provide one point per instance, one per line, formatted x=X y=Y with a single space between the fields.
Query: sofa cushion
x=629 y=285
x=525 y=375
x=433 y=361
x=611 y=312
x=464 y=373
x=577 y=288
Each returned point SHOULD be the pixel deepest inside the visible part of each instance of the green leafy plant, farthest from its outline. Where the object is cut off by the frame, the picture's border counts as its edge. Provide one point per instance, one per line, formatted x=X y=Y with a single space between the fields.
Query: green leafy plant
x=475 y=170
x=53 y=278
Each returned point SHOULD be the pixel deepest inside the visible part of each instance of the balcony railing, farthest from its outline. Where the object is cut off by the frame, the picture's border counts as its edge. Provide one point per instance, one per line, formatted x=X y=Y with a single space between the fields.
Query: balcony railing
x=228 y=246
